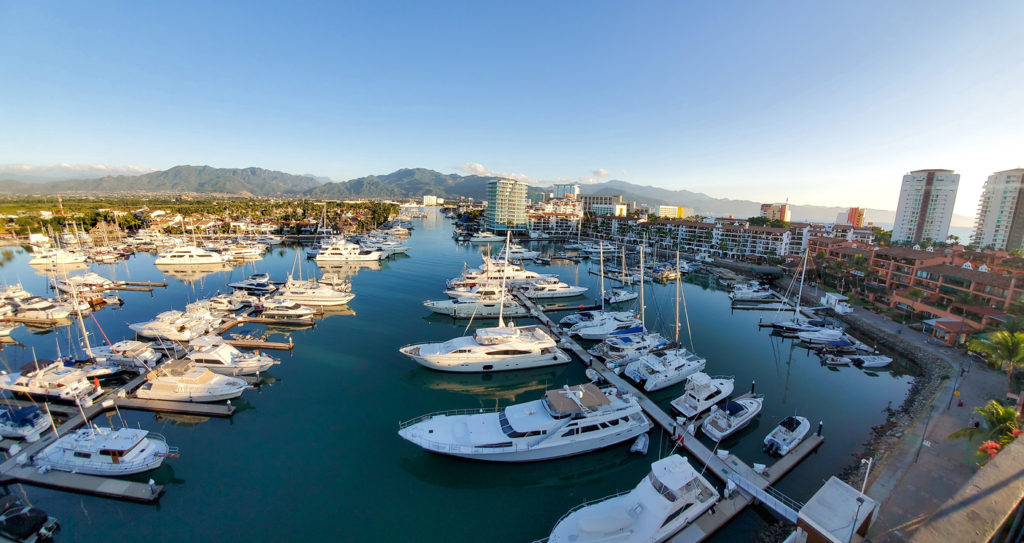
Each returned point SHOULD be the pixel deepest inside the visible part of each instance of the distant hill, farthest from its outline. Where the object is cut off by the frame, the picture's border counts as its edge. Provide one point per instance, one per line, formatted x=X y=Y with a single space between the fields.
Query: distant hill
x=405 y=183
x=201 y=179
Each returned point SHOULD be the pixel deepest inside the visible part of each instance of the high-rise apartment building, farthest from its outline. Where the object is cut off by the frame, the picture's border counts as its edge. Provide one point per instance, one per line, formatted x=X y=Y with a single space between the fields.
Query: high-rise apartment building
x=926 y=206
x=1000 y=221
x=855 y=217
x=506 y=205
x=776 y=212
x=567 y=190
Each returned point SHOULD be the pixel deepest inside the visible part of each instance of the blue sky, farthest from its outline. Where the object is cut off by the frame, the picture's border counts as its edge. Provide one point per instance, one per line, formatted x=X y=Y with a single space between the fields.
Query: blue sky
x=818 y=102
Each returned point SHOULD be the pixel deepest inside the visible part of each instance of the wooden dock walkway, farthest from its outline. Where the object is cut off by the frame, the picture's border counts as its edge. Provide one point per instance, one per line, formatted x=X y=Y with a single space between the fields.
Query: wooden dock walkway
x=719 y=465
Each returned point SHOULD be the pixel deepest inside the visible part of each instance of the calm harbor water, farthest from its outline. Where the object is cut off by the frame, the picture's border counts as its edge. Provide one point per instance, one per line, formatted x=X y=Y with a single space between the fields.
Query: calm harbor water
x=313 y=453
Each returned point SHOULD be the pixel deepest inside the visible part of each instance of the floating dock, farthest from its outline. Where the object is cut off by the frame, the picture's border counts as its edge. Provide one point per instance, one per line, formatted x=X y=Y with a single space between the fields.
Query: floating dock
x=722 y=467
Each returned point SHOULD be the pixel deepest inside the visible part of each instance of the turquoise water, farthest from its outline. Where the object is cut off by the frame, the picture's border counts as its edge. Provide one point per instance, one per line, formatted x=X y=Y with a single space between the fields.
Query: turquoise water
x=314 y=451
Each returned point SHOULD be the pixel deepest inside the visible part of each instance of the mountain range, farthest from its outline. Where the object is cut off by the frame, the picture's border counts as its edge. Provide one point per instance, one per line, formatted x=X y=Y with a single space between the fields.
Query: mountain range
x=404 y=183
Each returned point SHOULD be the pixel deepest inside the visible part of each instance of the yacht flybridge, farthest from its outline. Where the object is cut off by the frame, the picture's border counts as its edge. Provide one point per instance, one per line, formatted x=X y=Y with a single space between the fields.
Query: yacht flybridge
x=551 y=287
x=671 y=497
x=565 y=422
x=702 y=392
x=183 y=381
x=491 y=349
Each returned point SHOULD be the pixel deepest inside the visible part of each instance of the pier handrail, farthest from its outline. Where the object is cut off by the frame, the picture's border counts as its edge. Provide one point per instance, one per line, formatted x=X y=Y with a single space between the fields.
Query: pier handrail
x=589 y=503
x=449 y=413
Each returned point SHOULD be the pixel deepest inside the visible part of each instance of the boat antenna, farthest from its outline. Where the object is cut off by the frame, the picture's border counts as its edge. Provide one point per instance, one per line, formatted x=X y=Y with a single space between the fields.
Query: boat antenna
x=682 y=294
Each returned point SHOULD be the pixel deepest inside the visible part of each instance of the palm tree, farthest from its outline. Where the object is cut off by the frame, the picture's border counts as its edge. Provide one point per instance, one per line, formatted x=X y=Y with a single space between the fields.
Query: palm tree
x=1014 y=325
x=1000 y=422
x=1005 y=351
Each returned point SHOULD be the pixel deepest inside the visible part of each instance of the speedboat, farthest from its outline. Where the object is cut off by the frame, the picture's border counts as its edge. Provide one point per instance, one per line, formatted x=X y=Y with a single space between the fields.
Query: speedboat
x=104 y=451
x=565 y=422
x=731 y=417
x=668 y=499
x=662 y=368
x=213 y=353
x=824 y=335
x=624 y=348
x=280 y=308
x=188 y=256
x=702 y=392
x=869 y=360
x=184 y=381
x=491 y=349
x=551 y=287
x=26 y=423
x=24 y=523
x=54 y=381
x=257 y=282
x=787 y=435
x=481 y=307
x=619 y=295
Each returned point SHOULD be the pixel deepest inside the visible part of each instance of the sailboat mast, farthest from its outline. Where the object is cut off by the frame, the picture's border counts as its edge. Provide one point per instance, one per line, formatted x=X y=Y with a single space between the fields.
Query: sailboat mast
x=800 y=291
x=600 y=249
x=643 y=320
x=677 y=296
x=504 y=274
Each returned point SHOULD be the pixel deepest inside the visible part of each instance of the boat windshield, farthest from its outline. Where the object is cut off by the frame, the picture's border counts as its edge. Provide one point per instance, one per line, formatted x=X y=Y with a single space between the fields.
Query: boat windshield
x=511 y=432
x=661 y=488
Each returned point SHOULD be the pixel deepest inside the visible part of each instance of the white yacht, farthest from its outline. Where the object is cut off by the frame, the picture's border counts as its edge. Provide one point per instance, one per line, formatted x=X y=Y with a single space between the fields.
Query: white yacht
x=281 y=308
x=478 y=291
x=175 y=326
x=316 y=293
x=188 y=256
x=23 y=422
x=517 y=253
x=14 y=292
x=340 y=250
x=257 y=282
x=787 y=435
x=624 y=348
x=573 y=319
x=551 y=287
x=230 y=303
x=86 y=282
x=869 y=360
x=663 y=368
x=184 y=381
x=54 y=381
x=619 y=295
x=51 y=257
x=105 y=451
x=607 y=324
x=386 y=245
x=481 y=307
x=213 y=353
x=565 y=422
x=35 y=307
x=491 y=349
x=731 y=417
x=672 y=496
x=702 y=391
x=485 y=237
x=494 y=271
x=128 y=353
x=823 y=335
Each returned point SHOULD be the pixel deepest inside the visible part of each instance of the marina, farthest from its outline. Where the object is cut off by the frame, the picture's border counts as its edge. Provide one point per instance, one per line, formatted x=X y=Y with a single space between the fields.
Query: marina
x=358 y=353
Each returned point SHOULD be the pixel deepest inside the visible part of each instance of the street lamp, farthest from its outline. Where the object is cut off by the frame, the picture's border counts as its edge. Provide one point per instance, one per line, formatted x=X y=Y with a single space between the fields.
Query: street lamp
x=866 y=473
x=860 y=502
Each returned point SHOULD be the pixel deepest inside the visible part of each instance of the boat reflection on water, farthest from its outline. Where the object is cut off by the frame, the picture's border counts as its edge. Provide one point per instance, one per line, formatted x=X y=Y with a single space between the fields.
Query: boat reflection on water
x=180 y=419
x=192 y=273
x=350 y=268
x=452 y=472
x=47 y=269
x=337 y=310
x=506 y=385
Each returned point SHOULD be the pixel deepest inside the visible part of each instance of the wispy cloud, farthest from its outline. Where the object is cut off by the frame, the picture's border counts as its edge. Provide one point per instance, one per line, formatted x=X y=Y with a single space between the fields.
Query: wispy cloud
x=64 y=170
x=475 y=168
x=600 y=172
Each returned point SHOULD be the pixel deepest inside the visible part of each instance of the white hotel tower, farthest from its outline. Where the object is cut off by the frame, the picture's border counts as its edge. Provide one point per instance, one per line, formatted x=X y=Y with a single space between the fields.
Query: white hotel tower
x=1000 y=221
x=926 y=205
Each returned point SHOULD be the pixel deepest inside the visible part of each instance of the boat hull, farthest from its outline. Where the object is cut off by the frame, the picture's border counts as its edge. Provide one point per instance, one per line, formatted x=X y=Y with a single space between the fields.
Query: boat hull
x=490 y=365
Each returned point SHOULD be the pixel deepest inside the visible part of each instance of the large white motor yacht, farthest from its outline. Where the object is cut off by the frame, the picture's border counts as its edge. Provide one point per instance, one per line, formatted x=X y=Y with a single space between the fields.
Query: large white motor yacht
x=565 y=422
x=702 y=391
x=481 y=307
x=35 y=307
x=257 y=282
x=281 y=308
x=128 y=353
x=86 y=282
x=485 y=237
x=183 y=381
x=105 y=451
x=516 y=253
x=491 y=349
x=54 y=381
x=551 y=287
x=663 y=368
x=52 y=257
x=482 y=290
x=624 y=348
x=731 y=417
x=313 y=292
x=188 y=256
x=340 y=250
x=671 y=497
x=175 y=326
x=213 y=353
x=607 y=324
